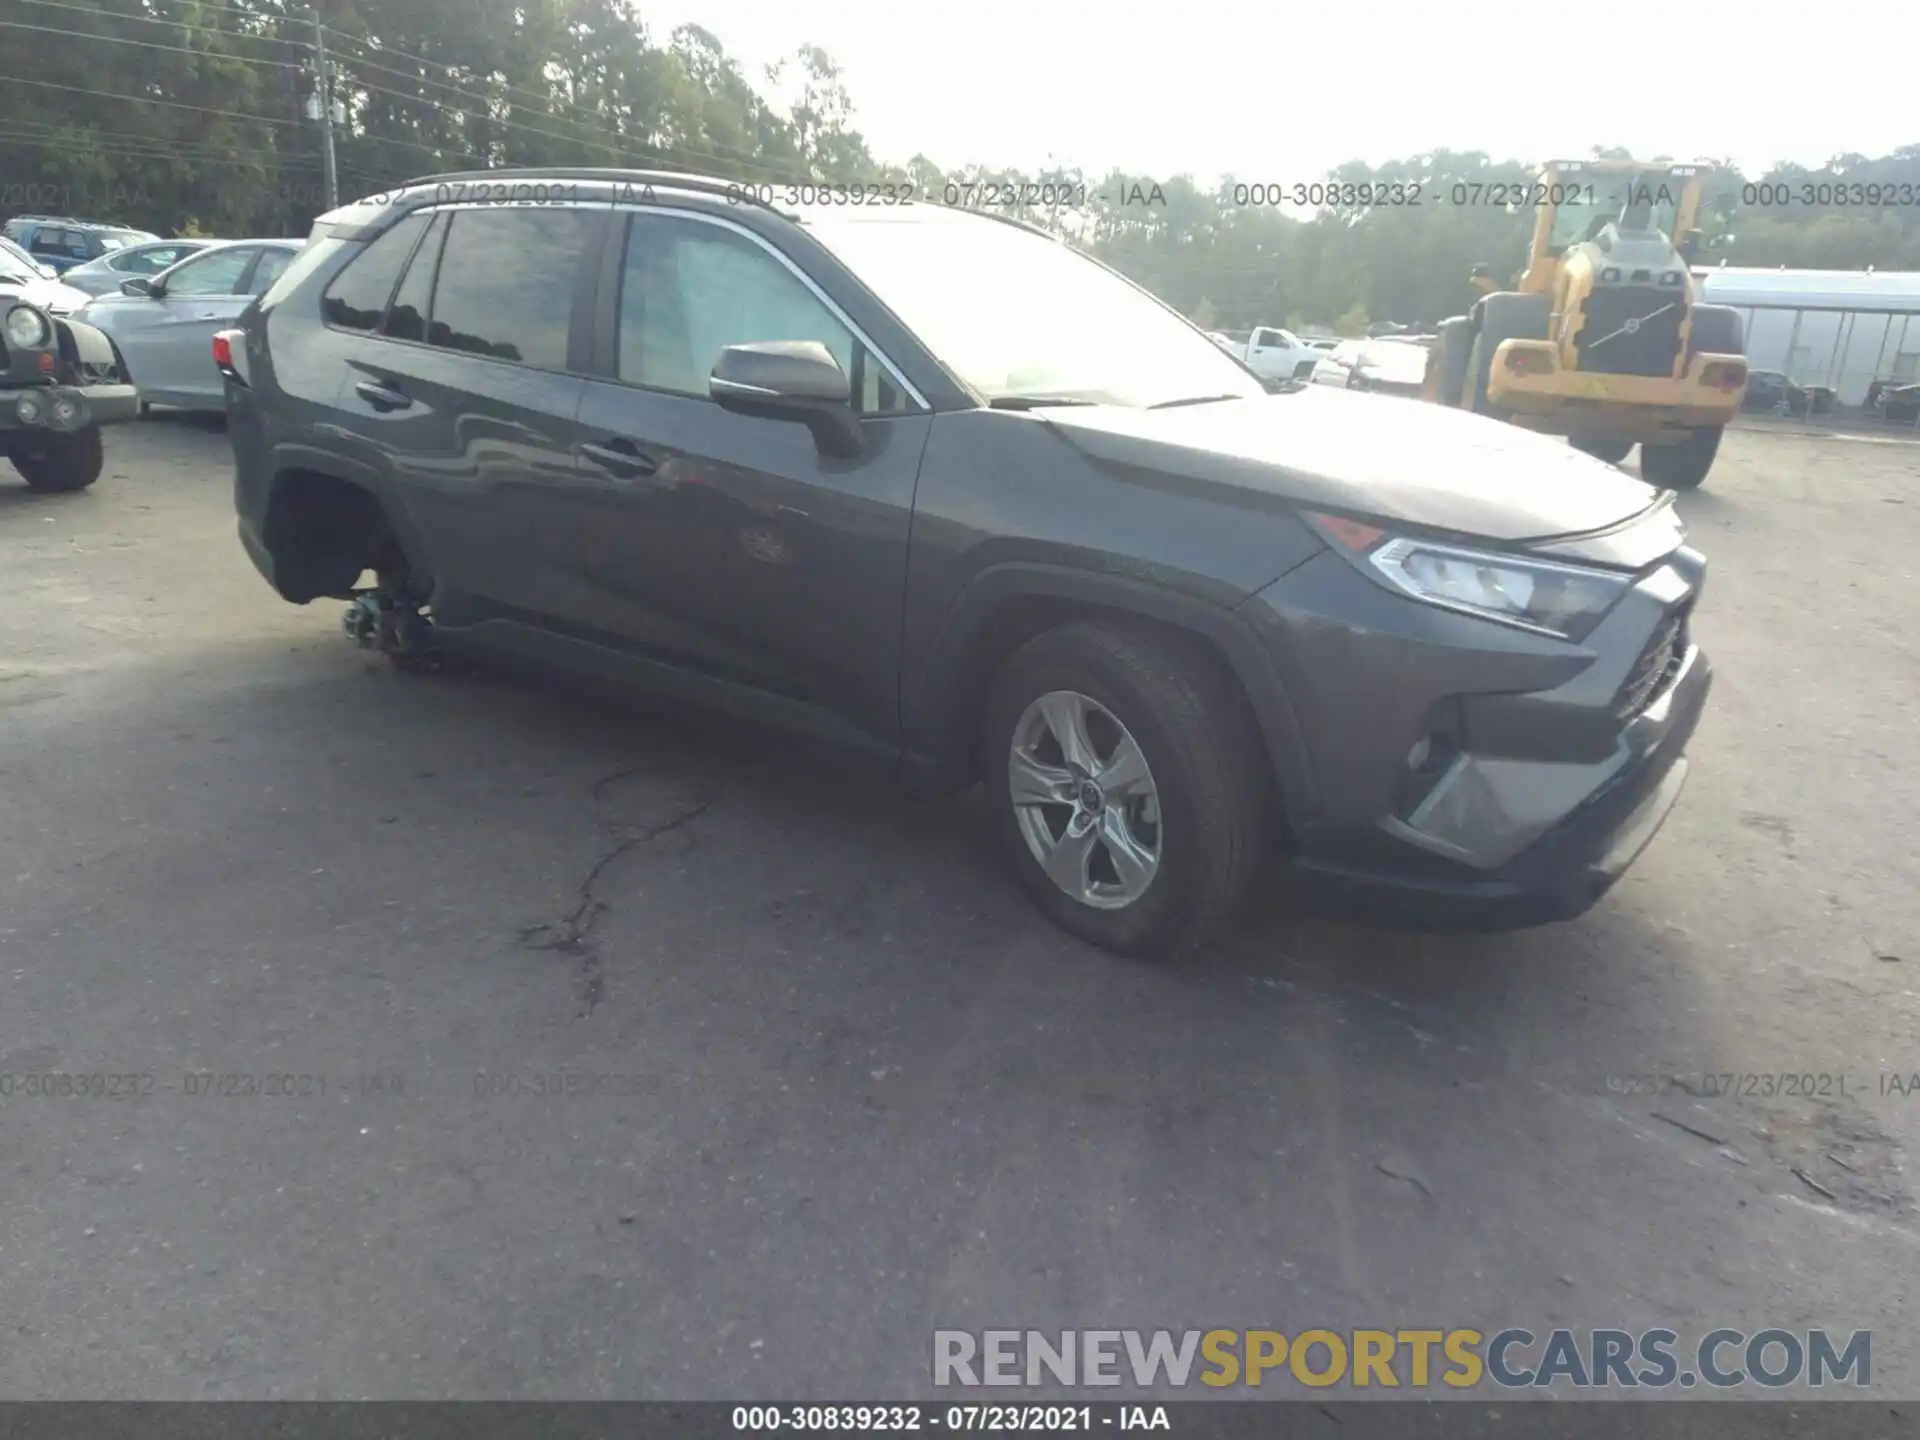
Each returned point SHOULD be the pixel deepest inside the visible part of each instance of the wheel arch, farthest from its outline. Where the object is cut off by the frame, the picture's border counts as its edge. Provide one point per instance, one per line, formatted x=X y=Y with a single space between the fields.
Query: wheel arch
x=319 y=515
x=1006 y=605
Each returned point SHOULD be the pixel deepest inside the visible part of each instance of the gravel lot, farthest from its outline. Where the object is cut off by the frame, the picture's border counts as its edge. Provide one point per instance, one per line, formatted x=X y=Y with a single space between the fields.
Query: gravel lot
x=846 y=1087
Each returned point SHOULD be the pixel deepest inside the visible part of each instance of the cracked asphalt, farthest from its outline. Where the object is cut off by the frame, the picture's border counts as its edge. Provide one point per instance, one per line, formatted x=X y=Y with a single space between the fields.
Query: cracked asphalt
x=475 y=1038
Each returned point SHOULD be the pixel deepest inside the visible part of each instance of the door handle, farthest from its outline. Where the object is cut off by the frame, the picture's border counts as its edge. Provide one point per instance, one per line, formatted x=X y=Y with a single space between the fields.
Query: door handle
x=381 y=397
x=621 y=456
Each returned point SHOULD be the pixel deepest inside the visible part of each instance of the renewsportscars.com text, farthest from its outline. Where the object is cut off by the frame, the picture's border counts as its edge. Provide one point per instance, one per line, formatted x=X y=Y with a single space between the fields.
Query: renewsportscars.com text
x=1412 y=1359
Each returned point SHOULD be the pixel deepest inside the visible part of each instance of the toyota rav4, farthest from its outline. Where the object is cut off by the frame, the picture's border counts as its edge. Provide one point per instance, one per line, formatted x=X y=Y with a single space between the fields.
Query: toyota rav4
x=936 y=484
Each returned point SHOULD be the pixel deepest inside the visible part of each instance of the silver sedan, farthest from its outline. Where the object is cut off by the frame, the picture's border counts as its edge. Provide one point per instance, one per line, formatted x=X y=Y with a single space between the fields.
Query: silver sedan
x=103 y=275
x=164 y=326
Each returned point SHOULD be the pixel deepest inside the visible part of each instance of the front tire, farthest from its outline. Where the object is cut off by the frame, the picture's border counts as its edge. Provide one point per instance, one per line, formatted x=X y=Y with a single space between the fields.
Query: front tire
x=53 y=464
x=1611 y=451
x=1503 y=316
x=1683 y=466
x=1128 y=786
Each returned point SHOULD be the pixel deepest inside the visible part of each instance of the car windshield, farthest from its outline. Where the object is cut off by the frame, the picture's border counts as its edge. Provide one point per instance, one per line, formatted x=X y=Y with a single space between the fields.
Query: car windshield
x=1017 y=314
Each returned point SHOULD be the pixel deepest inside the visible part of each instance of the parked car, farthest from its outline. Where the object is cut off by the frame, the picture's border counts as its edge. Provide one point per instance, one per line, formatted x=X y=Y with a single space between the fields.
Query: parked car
x=25 y=279
x=63 y=242
x=1391 y=367
x=1771 y=390
x=934 y=483
x=1892 y=400
x=164 y=324
x=103 y=275
x=1277 y=354
x=58 y=385
x=23 y=263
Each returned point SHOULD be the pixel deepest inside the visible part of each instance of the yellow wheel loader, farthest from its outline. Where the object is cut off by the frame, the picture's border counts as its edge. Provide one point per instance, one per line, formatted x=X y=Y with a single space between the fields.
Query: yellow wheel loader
x=1603 y=338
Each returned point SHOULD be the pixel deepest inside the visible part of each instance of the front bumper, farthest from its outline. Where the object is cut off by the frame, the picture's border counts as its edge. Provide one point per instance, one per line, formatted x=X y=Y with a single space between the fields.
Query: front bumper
x=1564 y=872
x=100 y=405
x=1469 y=775
x=1625 y=406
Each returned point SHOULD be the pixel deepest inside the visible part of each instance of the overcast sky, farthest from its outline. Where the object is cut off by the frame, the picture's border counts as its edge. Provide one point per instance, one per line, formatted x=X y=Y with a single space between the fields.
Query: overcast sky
x=1271 y=90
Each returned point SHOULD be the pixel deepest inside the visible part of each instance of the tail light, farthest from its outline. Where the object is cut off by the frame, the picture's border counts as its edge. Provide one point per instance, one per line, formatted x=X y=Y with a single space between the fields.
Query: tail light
x=229 y=354
x=1529 y=362
x=1724 y=375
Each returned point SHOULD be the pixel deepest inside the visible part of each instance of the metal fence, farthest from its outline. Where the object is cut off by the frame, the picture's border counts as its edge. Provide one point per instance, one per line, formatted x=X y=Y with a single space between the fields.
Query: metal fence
x=1834 y=366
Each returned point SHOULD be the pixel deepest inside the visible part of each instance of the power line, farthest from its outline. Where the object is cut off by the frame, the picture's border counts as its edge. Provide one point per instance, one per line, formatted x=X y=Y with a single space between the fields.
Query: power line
x=616 y=151
x=281 y=164
x=186 y=25
x=151 y=45
x=725 y=155
x=145 y=100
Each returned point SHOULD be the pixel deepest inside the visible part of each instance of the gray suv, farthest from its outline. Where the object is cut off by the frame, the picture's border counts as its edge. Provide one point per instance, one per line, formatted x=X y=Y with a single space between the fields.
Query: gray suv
x=932 y=483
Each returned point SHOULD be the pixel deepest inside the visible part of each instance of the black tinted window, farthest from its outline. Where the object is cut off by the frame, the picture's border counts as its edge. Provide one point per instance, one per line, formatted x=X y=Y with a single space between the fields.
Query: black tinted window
x=408 y=318
x=506 y=284
x=358 y=296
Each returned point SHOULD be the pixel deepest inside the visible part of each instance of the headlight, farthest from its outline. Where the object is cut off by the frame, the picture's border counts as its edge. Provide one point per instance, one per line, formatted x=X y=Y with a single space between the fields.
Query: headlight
x=1544 y=596
x=28 y=328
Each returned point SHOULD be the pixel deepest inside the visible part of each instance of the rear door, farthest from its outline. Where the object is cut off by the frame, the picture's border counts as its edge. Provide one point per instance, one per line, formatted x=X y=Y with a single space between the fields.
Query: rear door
x=463 y=386
x=728 y=544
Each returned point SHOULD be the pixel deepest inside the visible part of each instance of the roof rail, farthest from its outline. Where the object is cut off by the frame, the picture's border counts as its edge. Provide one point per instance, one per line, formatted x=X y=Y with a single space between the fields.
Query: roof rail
x=1014 y=220
x=738 y=191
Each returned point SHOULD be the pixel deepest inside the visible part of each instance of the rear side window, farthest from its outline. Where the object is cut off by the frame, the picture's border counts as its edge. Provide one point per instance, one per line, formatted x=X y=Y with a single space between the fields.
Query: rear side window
x=270 y=267
x=407 y=320
x=507 y=281
x=217 y=274
x=357 y=298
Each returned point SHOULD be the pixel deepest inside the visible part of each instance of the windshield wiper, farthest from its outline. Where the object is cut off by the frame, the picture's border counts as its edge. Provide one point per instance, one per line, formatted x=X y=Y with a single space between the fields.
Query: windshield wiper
x=1034 y=402
x=1193 y=400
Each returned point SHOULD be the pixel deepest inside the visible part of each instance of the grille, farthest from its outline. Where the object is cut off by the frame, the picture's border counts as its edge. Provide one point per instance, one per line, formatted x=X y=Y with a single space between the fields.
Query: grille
x=1657 y=666
x=1651 y=348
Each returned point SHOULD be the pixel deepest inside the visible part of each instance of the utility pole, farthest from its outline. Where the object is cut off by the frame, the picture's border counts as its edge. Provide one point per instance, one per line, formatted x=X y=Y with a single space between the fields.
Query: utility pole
x=323 y=92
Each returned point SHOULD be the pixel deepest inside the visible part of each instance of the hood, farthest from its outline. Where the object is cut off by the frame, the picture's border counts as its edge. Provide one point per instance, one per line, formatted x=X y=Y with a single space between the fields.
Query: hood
x=1424 y=465
x=50 y=295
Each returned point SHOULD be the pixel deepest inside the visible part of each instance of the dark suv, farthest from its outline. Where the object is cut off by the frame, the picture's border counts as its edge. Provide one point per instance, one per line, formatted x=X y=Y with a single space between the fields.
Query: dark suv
x=935 y=484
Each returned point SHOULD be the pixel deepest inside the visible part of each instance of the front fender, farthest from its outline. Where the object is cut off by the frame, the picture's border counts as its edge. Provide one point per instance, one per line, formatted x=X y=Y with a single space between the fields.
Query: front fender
x=939 y=714
x=88 y=352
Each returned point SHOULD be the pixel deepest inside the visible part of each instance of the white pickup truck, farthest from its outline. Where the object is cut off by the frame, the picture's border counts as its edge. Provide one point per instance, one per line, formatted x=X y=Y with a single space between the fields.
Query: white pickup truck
x=1278 y=354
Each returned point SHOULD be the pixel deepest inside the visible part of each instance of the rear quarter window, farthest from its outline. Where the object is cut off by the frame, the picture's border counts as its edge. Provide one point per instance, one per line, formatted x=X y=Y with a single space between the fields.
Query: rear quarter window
x=314 y=256
x=357 y=298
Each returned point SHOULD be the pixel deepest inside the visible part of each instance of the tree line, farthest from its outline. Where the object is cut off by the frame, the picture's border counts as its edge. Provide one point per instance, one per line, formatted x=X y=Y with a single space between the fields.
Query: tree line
x=191 y=116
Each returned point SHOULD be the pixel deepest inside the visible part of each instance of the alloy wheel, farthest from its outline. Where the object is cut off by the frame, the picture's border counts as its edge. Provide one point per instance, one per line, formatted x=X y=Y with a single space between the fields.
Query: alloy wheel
x=1085 y=799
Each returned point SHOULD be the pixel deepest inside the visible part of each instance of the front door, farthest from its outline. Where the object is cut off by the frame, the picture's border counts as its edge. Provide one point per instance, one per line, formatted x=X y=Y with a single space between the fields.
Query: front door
x=729 y=544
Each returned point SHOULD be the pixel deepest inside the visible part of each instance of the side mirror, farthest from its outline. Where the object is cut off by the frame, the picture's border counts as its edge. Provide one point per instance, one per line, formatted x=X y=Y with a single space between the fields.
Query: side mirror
x=141 y=285
x=1690 y=245
x=790 y=380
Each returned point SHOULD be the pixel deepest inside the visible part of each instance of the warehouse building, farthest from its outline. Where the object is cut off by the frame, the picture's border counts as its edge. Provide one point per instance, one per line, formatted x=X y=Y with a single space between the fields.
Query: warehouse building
x=1843 y=329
